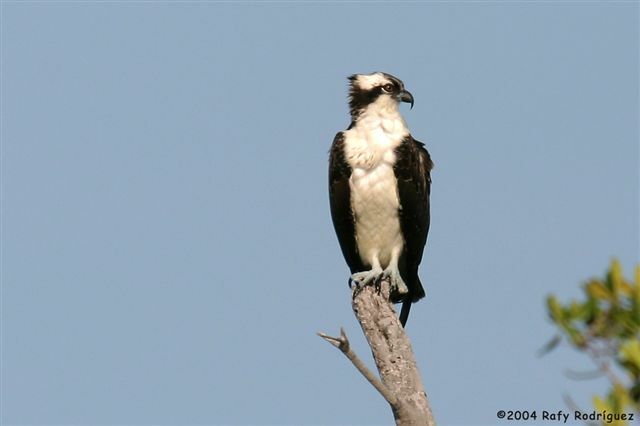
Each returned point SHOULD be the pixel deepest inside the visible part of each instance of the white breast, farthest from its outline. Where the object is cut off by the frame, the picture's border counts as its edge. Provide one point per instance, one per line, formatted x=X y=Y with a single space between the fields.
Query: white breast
x=369 y=150
x=374 y=200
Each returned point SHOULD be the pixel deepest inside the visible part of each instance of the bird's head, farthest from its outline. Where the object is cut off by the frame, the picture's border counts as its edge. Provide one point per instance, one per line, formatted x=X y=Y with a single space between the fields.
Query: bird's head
x=381 y=89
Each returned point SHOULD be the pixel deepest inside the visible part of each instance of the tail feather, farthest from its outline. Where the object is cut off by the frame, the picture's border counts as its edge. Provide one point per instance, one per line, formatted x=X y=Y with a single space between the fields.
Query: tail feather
x=404 y=313
x=416 y=292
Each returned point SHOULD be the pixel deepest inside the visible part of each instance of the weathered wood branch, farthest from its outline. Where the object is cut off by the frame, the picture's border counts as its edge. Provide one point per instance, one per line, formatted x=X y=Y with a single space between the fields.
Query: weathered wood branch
x=400 y=382
x=342 y=343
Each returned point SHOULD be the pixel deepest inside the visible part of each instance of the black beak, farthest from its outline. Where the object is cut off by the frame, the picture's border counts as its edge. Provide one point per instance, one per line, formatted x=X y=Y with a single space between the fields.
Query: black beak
x=405 y=96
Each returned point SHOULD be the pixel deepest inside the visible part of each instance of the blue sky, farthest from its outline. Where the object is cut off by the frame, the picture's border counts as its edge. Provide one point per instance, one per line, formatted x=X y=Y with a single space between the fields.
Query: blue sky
x=167 y=249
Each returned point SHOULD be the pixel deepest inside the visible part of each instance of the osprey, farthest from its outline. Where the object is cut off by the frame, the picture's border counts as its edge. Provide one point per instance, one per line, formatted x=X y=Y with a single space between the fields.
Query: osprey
x=379 y=186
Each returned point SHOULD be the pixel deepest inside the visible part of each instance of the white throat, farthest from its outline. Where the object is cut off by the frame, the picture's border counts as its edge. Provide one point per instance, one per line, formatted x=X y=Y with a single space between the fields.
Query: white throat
x=378 y=130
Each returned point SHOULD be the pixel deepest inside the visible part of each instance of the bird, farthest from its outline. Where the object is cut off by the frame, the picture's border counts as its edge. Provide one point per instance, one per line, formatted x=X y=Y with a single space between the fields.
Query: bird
x=379 y=189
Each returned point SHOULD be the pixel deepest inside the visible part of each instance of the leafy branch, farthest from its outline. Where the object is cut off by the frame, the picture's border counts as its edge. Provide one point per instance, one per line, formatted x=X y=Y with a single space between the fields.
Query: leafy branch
x=605 y=326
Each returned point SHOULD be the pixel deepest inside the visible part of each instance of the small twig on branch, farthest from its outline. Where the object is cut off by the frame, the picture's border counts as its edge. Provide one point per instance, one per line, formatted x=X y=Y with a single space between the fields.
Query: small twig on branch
x=342 y=343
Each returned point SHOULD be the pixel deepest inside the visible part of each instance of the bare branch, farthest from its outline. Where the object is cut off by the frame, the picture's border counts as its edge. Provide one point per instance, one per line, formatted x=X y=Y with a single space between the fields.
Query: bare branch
x=399 y=383
x=599 y=358
x=342 y=343
x=393 y=354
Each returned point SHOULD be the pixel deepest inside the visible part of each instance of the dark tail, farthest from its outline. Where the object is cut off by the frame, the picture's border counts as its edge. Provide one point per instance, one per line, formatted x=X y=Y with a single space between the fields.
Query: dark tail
x=404 y=312
x=416 y=292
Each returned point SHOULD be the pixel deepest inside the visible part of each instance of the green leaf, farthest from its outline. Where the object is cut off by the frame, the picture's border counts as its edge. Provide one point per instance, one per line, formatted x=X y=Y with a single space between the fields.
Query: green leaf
x=636 y=296
x=575 y=311
x=592 y=311
x=554 y=308
x=598 y=290
x=575 y=336
x=620 y=398
x=630 y=352
x=616 y=277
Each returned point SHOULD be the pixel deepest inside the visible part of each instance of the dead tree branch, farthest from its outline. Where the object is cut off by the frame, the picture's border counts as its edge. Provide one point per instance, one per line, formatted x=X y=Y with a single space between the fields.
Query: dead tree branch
x=342 y=343
x=400 y=382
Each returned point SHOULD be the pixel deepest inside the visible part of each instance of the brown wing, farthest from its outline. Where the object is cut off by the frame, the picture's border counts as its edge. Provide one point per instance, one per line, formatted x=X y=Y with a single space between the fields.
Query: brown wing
x=413 y=172
x=340 y=202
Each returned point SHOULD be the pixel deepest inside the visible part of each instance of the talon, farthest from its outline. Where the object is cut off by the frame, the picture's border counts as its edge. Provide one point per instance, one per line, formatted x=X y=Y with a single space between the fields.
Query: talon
x=396 y=283
x=361 y=279
x=356 y=292
x=378 y=284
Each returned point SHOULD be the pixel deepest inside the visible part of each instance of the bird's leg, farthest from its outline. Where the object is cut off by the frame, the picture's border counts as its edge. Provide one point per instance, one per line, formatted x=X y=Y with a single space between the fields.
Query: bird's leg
x=361 y=279
x=396 y=283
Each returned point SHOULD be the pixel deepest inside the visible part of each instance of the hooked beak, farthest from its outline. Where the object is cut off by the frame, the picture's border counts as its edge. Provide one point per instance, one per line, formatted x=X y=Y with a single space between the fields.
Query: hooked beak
x=405 y=96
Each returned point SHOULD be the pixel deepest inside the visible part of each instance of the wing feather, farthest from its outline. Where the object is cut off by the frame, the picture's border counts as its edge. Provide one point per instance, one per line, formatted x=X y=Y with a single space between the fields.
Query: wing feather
x=340 y=202
x=413 y=173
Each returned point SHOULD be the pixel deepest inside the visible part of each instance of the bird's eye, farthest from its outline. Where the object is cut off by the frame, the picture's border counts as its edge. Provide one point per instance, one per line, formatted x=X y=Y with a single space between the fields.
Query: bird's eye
x=388 y=88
